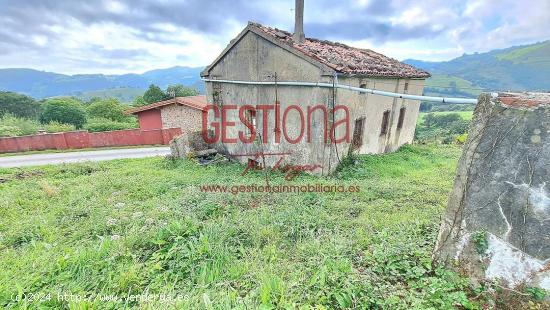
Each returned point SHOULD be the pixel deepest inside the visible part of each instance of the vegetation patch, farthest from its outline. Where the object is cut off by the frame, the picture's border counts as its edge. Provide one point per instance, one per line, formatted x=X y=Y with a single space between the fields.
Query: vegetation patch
x=136 y=226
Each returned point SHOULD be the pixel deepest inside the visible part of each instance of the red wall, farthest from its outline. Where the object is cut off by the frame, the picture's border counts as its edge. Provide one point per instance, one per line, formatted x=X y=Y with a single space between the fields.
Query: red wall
x=150 y=119
x=85 y=139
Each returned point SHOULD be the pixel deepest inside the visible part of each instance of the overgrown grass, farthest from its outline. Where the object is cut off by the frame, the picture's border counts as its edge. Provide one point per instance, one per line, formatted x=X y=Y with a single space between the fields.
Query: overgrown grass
x=142 y=226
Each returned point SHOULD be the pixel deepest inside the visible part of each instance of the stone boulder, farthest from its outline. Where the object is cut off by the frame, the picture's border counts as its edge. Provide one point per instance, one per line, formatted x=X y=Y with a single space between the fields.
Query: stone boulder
x=189 y=143
x=497 y=223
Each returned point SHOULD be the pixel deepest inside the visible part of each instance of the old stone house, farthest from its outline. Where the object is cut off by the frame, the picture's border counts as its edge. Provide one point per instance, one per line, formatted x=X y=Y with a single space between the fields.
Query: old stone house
x=377 y=124
x=182 y=112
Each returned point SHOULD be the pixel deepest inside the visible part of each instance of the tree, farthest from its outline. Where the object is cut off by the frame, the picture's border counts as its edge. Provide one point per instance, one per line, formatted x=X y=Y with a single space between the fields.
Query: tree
x=154 y=94
x=425 y=106
x=179 y=90
x=139 y=101
x=63 y=110
x=18 y=105
x=107 y=108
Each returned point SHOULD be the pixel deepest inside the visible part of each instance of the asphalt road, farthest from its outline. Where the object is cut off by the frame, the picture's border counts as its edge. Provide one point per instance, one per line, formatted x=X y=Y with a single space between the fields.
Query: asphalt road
x=76 y=156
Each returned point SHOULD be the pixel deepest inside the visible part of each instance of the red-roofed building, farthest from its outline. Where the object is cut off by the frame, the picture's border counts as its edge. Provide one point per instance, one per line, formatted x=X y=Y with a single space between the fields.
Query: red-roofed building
x=182 y=112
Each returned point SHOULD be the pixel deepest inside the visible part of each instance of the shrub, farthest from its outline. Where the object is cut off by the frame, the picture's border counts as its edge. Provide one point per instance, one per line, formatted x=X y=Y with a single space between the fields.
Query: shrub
x=461 y=139
x=102 y=124
x=63 y=110
x=54 y=126
x=107 y=108
x=11 y=126
x=481 y=242
x=459 y=127
x=9 y=131
x=445 y=128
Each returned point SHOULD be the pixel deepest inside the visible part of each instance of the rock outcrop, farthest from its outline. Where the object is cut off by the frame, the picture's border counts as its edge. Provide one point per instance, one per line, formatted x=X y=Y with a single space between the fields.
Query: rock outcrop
x=497 y=224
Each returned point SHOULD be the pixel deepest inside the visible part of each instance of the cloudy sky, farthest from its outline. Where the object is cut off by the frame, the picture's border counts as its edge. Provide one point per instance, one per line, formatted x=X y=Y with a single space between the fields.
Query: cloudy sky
x=103 y=36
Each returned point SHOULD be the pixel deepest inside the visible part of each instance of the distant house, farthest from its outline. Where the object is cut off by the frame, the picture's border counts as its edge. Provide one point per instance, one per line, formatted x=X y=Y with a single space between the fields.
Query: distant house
x=262 y=54
x=182 y=112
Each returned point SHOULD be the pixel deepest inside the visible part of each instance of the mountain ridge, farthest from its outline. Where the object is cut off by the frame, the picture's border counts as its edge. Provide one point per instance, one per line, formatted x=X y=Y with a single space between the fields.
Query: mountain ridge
x=43 y=84
x=517 y=68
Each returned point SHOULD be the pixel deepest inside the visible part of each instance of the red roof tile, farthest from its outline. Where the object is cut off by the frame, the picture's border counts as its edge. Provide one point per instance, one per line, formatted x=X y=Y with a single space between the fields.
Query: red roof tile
x=196 y=102
x=346 y=59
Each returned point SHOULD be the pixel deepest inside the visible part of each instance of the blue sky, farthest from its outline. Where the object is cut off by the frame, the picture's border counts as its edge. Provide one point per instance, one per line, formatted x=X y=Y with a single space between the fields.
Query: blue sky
x=104 y=36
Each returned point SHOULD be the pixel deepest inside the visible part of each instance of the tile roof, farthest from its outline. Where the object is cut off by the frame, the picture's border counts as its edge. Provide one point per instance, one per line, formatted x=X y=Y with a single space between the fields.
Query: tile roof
x=196 y=102
x=346 y=59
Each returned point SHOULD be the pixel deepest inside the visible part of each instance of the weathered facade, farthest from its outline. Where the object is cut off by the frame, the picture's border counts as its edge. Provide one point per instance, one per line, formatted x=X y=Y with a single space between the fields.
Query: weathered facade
x=497 y=224
x=377 y=124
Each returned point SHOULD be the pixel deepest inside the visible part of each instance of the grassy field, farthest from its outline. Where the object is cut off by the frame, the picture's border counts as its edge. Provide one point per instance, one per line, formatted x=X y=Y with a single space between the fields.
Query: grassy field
x=73 y=236
x=467 y=115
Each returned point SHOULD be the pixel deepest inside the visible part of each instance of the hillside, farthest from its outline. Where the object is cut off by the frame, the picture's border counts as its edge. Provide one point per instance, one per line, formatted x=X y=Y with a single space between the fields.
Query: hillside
x=123 y=94
x=40 y=84
x=519 y=68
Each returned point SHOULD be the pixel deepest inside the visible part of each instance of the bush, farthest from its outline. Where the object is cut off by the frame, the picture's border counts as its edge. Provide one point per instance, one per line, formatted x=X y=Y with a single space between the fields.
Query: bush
x=9 y=131
x=11 y=126
x=446 y=128
x=459 y=127
x=63 y=110
x=58 y=127
x=107 y=108
x=102 y=124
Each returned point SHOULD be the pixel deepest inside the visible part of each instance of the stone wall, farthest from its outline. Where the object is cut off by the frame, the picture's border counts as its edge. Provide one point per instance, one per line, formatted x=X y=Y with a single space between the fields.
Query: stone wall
x=184 y=117
x=497 y=225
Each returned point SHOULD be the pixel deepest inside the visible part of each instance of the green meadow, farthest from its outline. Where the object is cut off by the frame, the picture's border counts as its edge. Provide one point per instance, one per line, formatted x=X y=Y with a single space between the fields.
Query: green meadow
x=140 y=234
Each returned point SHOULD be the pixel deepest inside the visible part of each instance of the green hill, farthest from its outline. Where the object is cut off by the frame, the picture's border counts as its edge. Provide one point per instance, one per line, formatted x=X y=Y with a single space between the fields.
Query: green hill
x=124 y=94
x=517 y=68
x=448 y=85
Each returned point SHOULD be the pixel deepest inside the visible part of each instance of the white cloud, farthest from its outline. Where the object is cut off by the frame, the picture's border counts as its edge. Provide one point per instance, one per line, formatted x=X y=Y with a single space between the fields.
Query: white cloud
x=120 y=36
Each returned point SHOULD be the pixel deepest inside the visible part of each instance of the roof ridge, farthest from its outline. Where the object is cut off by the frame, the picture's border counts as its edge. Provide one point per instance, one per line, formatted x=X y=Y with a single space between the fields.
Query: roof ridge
x=369 y=62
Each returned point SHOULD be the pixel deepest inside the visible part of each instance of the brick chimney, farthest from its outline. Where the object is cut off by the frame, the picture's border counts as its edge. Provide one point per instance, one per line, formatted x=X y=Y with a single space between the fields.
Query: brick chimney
x=299 y=36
